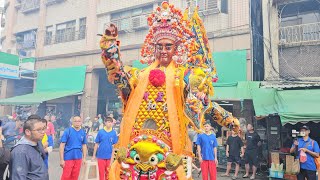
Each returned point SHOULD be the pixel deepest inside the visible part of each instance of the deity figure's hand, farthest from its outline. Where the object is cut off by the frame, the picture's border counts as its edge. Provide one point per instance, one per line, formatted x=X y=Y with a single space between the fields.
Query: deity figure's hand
x=110 y=46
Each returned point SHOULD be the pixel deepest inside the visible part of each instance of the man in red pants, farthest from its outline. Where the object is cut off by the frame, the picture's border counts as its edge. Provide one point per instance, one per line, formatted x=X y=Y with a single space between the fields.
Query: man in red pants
x=103 y=147
x=73 y=149
x=207 y=152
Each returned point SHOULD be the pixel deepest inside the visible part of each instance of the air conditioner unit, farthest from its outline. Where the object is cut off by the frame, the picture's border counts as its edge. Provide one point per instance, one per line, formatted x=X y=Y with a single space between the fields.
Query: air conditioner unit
x=212 y=4
x=139 y=22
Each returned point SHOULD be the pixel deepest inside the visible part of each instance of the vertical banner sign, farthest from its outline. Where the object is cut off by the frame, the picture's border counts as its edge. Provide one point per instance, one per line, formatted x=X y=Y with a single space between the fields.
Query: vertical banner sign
x=9 y=66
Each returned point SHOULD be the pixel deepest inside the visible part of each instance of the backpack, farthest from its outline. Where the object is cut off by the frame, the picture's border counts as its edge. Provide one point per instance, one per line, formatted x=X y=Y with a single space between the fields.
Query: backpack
x=5 y=159
x=316 y=160
x=37 y=148
x=4 y=156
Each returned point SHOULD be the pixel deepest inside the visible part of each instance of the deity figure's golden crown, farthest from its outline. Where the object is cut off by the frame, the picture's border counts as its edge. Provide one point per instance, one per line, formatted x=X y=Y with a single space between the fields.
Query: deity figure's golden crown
x=167 y=22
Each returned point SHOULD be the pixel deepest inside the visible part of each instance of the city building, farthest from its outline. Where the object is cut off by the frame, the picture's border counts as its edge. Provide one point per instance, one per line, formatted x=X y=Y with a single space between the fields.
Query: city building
x=63 y=33
x=290 y=40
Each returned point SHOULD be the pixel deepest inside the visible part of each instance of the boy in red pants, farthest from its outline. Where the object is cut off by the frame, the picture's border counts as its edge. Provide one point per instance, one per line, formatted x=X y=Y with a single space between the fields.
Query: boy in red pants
x=105 y=140
x=73 y=148
x=207 y=152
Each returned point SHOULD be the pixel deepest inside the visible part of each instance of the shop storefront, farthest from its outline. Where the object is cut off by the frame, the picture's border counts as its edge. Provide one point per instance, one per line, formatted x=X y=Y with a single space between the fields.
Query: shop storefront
x=57 y=91
x=285 y=112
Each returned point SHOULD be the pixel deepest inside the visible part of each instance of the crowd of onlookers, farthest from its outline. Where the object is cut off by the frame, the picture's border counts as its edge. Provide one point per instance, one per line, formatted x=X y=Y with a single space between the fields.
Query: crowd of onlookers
x=237 y=150
x=33 y=140
x=95 y=124
x=28 y=157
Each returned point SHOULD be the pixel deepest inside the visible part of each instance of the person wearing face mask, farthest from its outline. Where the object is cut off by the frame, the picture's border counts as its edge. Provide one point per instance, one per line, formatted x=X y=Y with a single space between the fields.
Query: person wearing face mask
x=310 y=147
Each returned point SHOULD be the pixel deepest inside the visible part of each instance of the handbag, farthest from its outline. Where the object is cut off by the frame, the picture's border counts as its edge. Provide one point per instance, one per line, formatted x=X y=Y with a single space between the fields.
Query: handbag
x=317 y=161
x=303 y=156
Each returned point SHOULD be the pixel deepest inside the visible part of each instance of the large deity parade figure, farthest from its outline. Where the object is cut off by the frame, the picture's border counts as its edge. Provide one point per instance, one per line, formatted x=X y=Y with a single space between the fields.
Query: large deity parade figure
x=160 y=101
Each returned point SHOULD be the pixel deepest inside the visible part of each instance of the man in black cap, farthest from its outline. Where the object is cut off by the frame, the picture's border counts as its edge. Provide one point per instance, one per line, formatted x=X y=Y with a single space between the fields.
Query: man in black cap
x=308 y=168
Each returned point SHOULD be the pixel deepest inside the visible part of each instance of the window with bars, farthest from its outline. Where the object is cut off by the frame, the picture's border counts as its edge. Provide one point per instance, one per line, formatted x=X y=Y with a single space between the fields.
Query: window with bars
x=206 y=7
x=132 y=19
x=48 y=35
x=207 y=4
x=29 y=5
x=65 y=32
x=82 y=28
x=26 y=40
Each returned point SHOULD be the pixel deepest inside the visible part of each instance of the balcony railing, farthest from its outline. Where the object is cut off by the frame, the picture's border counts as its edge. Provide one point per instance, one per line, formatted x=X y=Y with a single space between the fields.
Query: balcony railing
x=65 y=37
x=30 y=5
x=29 y=44
x=130 y=24
x=300 y=34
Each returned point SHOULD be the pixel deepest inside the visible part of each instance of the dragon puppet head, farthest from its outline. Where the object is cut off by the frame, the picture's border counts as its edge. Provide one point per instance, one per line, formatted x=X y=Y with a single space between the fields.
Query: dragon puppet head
x=148 y=154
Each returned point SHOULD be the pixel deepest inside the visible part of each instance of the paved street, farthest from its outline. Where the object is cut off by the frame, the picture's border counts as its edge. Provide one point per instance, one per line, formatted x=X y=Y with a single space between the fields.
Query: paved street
x=55 y=170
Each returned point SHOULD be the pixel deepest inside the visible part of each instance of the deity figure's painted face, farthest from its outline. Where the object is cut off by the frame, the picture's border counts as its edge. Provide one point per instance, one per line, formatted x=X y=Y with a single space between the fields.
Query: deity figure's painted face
x=165 y=49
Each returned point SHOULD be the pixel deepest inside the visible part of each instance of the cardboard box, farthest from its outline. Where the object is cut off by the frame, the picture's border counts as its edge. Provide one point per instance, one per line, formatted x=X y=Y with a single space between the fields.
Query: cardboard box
x=275 y=159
